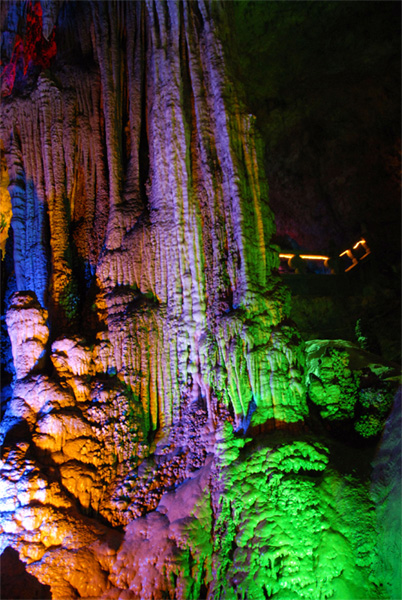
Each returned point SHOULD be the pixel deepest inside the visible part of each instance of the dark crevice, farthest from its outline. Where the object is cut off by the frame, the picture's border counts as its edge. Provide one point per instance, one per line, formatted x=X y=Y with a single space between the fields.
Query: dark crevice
x=168 y=24
x=203 y=591
x=265 y=592
x=156 y=24
x=198 y=19
x=16 y=582
x=143 y=151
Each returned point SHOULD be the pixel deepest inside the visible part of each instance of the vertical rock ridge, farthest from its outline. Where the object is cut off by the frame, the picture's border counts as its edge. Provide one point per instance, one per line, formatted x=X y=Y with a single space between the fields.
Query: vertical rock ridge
x=51 y=135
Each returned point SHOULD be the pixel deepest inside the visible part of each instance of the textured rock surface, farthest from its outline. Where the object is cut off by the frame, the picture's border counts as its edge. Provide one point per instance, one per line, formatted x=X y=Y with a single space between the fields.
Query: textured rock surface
x=149 y=332
x=29 y=333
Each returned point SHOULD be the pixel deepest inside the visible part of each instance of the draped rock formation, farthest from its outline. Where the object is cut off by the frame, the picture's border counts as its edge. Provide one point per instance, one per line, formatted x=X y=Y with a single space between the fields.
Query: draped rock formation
x=148 y=328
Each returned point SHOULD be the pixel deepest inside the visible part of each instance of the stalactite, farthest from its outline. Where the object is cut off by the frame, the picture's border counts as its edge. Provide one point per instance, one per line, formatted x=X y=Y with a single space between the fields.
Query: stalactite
x=28 y=220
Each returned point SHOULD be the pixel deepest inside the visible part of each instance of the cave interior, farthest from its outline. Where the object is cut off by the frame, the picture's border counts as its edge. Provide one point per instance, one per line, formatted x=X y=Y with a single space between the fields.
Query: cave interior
x=200 y=244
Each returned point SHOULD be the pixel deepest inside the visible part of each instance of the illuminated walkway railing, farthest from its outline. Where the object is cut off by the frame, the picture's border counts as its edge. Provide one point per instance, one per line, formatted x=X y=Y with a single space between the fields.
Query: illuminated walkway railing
x=346 y=260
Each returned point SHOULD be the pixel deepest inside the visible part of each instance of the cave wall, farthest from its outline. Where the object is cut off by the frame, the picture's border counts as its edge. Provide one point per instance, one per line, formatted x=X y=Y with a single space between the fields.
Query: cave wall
x=324 y=81
x=166 y=431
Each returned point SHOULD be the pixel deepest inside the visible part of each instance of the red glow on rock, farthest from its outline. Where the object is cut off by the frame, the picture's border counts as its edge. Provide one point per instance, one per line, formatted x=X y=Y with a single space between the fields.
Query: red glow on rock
x=34 y=48
x=10 y=70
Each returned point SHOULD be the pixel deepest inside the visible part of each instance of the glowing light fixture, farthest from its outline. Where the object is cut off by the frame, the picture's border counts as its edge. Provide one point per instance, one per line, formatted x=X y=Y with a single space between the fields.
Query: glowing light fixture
x=305 y=256
x=347 y=252
x=354 y=260
x=363 y=243
x=313 y=257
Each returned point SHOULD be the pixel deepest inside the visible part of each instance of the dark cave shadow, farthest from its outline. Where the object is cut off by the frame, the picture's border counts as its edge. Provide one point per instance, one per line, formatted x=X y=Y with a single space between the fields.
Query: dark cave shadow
x=16 y=582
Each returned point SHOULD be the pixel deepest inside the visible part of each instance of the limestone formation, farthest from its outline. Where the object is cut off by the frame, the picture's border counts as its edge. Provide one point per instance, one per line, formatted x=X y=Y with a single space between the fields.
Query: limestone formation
x=161 y=437
x=28 y=331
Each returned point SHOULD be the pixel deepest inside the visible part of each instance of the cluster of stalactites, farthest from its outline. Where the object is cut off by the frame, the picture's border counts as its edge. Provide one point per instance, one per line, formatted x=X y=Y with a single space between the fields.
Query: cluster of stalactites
x=58 y=189
x=141 y=172
x=178 y=152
